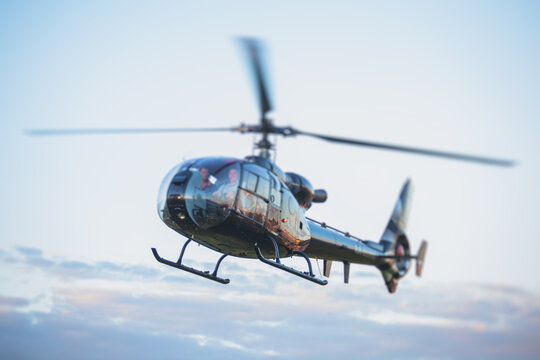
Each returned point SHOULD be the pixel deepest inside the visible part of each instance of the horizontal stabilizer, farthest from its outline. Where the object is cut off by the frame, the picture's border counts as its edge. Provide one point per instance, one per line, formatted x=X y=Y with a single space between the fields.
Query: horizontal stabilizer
x=420 y=258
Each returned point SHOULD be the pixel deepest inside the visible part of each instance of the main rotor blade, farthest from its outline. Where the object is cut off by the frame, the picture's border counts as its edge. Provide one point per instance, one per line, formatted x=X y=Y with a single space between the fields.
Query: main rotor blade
x=54 y=132
x=448 y=155
x=253 y=51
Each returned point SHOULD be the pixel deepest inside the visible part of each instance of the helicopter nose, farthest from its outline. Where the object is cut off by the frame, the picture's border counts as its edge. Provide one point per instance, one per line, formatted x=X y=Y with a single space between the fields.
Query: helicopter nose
x=175 y=210
x=171 y=202
x=199 y=194
x=163 y=191
x=189 y=206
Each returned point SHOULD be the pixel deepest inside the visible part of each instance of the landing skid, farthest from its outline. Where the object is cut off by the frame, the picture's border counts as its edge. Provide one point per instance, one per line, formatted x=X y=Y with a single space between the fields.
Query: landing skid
x=277 y=263
x=178 y=265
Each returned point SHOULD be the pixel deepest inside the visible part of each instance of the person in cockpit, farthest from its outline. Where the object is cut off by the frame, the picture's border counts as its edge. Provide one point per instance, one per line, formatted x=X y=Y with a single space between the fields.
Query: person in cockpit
x=205 y=178
x=227 y=191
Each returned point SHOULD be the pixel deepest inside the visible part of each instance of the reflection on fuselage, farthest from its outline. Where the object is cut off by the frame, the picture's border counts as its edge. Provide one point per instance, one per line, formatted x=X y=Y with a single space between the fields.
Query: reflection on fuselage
x=211 y=191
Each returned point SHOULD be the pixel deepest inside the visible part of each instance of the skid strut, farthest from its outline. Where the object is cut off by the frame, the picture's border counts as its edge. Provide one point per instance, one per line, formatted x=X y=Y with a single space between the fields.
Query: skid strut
x=306 y=275
x=178 y=265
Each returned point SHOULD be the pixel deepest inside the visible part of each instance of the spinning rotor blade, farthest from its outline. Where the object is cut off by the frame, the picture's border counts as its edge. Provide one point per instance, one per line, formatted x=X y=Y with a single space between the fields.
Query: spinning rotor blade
x=54 y=132
x=448 y=155
x=253 y=51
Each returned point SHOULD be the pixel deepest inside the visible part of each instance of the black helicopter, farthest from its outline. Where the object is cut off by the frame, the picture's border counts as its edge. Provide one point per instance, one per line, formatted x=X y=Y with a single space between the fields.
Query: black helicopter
x=250 y=208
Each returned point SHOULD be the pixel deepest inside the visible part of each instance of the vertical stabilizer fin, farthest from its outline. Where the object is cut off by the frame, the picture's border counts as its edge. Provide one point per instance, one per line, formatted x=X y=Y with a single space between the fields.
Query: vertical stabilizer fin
x=389 y=279
x=346 y=271
x=327 y=266
x=395 y=242
x=398 y=221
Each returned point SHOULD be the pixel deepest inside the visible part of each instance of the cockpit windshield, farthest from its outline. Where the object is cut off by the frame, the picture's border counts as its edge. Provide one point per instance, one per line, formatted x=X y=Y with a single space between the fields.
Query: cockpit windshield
x=164 y=188
x=211 y=190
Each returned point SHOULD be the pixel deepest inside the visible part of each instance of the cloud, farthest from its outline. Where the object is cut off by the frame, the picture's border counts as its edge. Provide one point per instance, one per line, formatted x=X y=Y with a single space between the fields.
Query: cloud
x=398 y=318
x=70 y=269
x=8 y=304
x=140 y=312
x=29 y=252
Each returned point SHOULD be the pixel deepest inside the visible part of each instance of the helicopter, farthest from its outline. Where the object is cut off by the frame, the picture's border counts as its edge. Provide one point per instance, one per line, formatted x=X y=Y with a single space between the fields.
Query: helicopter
x=250 y=208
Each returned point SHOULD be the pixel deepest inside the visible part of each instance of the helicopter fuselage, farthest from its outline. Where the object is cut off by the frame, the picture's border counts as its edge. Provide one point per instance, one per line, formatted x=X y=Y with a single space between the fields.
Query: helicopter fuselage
x=229 y=205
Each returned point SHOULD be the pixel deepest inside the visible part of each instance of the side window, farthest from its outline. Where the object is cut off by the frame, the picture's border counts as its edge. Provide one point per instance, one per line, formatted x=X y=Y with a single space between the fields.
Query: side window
x=257 y=180
x=247 y=203
x=260 y=213
x=252 y=206
x=263 y=188
x=250 y=181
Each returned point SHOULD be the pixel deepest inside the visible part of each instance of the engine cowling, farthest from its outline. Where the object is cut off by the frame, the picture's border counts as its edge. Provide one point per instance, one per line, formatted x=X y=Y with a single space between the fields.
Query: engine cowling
x=303 y=191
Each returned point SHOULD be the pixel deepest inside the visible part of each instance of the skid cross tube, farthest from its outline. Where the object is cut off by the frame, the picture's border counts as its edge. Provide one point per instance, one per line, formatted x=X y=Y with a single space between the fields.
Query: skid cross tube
x=306 y=275
x=178 y=265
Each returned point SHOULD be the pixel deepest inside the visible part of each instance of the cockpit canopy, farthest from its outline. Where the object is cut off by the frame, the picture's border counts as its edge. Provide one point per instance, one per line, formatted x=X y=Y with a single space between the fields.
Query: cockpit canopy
x=209 y=187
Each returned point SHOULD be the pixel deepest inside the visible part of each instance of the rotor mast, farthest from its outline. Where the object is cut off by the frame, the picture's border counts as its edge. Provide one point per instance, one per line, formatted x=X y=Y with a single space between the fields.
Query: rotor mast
x=264 y=145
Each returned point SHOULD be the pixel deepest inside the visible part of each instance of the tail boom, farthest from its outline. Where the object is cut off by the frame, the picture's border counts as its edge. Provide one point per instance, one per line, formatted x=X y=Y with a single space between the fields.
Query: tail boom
x=391 y=255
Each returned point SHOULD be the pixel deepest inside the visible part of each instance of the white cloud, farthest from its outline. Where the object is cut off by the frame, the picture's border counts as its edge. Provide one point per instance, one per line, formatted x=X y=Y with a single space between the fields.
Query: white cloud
x=397 y=318
x=265 y=314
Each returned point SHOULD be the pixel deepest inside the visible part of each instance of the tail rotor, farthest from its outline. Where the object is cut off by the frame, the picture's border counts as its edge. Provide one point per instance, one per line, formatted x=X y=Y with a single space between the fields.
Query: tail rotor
x=396 y=244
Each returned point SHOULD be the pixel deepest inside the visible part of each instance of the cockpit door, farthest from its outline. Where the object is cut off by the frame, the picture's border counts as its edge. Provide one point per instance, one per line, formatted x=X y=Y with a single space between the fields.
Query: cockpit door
x=252 y=201
x=274 y=212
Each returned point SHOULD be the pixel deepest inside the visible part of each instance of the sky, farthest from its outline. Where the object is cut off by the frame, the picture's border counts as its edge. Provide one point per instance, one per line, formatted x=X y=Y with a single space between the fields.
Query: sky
x=78 y=214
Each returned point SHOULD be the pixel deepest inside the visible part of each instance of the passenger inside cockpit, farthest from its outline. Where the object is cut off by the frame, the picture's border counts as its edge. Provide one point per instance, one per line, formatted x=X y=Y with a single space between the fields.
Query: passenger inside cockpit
x=227 y=190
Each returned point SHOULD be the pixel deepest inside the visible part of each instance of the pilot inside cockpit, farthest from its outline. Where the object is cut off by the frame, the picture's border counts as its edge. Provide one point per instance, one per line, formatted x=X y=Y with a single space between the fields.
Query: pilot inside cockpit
x=227 y=188
x=211 y=190
x=205 y=181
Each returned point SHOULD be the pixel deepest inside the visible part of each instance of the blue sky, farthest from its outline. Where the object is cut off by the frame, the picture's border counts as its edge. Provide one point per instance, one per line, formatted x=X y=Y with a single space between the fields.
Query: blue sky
x=78 y=214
